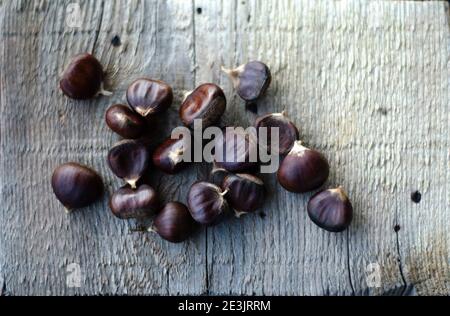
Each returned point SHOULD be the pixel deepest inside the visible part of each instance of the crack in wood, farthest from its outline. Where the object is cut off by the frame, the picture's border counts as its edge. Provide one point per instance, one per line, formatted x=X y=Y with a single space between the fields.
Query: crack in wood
x=400 y=263
x=448 y=13
x=99 y=28
x=3 y=289
x=348 y=264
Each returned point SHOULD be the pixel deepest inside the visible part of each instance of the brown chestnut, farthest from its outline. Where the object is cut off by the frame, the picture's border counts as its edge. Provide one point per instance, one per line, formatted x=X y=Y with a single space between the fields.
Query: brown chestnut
x=207 y=203
x=148 y=97
x=76 y=186
x=217 y=175
x=123 y=121
x=206 y=103
x=169 y=157
x=288 y=132
x=127 y=203
x=174 y=223
x=83 y=78
x=245 y=192
x=236 y=151
x=303 y=170
x=250 y=80
x=129 y=160
x=331 y=210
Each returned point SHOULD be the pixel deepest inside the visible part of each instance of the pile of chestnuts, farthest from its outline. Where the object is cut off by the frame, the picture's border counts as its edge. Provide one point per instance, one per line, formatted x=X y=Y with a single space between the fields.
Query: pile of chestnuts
x=234 y=185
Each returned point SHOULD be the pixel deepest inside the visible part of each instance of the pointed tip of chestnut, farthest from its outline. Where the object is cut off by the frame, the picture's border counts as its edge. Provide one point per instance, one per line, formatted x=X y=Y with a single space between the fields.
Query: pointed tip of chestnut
x=340 y=192
x=76 y=186
x=129 y=160
x=83 y=78
x=137 y=203
x=174 y=223
x=331 y=210
x=303 y=170
x=207 y=203
x=250 y=80
x=148 y=97
x=124 y=122
x=206 y=103
x=245 y=192
x=288 y=132
x=233 y=74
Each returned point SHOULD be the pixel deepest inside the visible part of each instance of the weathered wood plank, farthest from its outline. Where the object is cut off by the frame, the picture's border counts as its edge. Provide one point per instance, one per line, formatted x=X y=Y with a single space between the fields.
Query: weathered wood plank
x=367 y=82
x=41 y=128
x=423 y=160
x=347 y=74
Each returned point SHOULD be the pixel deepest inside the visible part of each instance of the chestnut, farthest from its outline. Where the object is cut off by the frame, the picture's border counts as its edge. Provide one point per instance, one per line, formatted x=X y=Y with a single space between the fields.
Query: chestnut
x=217 y=175
x=331 y=210
x=206 y=103
x=169 y=157
x=148 y=97
x=236 y=151
x=123 y=121
x=303 y=170
x=207 y=203
x=250 y=80
x=83 y=78
x=174 y=223
x=129 y=160
x=288 y=132
x=245 y=192
x=76 y=186
x=127 y=203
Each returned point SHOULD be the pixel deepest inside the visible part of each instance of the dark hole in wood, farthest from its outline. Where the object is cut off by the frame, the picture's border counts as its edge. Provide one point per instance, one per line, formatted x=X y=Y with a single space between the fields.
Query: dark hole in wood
x=262 y=215
x=383 y=111
x=416 y=197
x=397 y=228
x=249 y=17
x=252 y=107
x=4 y=290
x=116 y=41
x=199 y=10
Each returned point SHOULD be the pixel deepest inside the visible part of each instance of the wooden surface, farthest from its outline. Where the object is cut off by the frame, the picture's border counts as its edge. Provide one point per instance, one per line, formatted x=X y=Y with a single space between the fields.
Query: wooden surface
x=367 y=83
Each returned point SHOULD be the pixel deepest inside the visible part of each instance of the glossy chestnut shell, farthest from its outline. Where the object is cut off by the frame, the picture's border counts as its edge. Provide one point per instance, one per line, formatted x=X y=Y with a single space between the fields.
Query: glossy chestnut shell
x=76 y=186
x=217 y=175
x=331 y=210
x=127 y=203
x=174 y=223
x=169 y=157
x=123 y=121
x=236 y=151
x=250 y=80
x=206 y=103
x=288 y=132
x=129 y=160
x=83 y=78
x=303 y=170
x=207 y=204
x=148 y=97
x=245 y=192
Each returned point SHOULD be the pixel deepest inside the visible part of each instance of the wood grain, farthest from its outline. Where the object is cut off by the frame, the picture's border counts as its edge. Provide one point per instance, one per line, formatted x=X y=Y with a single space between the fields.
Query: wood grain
x=367 y=82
